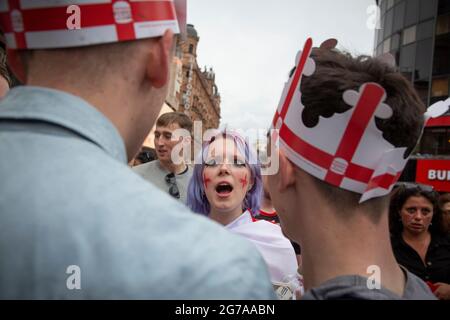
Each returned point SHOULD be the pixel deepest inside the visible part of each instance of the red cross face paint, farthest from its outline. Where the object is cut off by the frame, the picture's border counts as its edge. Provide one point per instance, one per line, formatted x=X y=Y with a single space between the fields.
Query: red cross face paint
x=225 y=176
x=244 y=182
x=206 y=180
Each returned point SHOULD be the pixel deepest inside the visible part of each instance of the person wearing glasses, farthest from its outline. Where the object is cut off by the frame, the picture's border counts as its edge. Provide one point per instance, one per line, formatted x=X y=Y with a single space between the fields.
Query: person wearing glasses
x=76 y=222
x=444 y=205
x=417 y=239
x=166 y=173
x=226 y=186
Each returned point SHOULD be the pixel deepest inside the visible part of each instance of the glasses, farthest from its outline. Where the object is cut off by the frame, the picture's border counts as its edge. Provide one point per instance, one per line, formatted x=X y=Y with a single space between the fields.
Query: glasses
x=410 y=187
x=145 y=156
x=173 y=188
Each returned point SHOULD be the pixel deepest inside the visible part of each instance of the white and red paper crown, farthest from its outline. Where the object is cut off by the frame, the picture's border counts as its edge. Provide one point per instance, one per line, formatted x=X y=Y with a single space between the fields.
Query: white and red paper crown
x=47 y=24
x=346 y=150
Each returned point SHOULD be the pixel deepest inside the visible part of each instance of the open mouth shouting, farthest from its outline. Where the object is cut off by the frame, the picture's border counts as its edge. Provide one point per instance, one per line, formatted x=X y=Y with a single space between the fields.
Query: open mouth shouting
x=224 y=189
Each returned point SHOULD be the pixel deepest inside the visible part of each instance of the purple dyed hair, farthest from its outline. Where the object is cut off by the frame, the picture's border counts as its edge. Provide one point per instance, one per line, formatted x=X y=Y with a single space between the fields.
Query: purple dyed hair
x=196 y=197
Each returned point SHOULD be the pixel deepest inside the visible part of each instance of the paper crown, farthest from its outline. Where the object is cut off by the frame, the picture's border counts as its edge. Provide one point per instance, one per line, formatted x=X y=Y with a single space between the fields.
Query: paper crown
x=346 y=150
x=47 y=24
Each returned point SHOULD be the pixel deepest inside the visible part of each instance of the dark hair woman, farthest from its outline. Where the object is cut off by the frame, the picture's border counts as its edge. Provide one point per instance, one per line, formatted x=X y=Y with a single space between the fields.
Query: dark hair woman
x=417 y=241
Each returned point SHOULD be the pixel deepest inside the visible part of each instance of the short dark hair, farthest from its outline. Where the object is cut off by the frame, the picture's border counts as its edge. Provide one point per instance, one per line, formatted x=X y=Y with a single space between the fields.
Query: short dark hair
x=4 y=72
x=322 y=92
x=400 y=195
x=179 y=118
x=443 y=199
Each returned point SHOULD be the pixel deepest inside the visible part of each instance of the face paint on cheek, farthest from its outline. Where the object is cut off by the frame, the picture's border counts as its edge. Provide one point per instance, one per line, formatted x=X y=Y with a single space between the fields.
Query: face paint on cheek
x=206 y=180
x=244 y=182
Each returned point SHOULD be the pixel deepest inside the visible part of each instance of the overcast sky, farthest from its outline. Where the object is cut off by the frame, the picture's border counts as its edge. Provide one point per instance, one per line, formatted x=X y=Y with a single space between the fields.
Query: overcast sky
x=251 y=44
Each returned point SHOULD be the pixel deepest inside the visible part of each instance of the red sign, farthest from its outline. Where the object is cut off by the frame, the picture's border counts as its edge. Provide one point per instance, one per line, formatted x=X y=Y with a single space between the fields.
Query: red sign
x=435 y=173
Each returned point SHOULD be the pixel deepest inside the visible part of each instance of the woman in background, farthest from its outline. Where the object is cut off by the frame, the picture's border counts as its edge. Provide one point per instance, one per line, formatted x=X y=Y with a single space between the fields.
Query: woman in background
x=417 y=239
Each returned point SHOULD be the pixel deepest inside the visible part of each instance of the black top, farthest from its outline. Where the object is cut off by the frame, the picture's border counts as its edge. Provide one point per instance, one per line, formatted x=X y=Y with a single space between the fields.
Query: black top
x=437 y=267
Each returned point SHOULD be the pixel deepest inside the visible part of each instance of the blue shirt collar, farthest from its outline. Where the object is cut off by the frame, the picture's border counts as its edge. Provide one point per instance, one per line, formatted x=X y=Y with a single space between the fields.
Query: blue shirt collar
x=64 y=110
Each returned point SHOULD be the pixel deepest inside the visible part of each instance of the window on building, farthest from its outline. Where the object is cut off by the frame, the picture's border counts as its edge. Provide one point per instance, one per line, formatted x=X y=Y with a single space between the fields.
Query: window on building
x=435 y=141
x=443 y=24
x=188 y=73
x=409 y=35
x=412 y=12
x=387 y=45
x=422 y=88
x=388 y=23
x=428 y=9
x=191 y=48
x=395 y=41
x=440 y=87
x=407 y=55
x=425 y=30
x=383 y=7
x=379 y=50
x=390 y=4
x=399 y=16
x=444 y=7
x=381 y=31
x=423 y=59
x=441 y=64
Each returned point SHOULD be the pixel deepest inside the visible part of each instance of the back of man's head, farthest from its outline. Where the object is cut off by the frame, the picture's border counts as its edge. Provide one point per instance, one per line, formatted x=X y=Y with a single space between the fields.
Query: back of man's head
x=322 y=96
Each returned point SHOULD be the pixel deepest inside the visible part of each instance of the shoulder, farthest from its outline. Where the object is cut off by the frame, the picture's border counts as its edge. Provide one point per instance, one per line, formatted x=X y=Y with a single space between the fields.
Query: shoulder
x=416 y=288
x=173 y=240
x=149 y=166
x=210 y=249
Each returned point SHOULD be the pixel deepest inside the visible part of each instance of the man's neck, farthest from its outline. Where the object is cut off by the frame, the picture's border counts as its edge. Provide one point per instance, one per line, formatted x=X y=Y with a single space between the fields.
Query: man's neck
x=119 y=100
x=333 y=247
x=173 y=168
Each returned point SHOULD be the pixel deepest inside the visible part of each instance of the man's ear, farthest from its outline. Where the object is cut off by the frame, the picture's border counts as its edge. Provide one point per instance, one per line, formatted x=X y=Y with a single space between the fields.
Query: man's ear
x=158 y=66
x=286 y=173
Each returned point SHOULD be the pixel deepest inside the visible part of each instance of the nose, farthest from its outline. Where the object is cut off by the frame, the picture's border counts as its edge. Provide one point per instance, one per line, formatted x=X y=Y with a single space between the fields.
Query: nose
x=224 y=168
x=159 y=142
x=419 y=215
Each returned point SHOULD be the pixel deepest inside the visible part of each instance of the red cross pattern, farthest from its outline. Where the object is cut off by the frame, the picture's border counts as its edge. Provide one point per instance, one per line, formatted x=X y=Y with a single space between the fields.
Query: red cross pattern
x=22 y=21
x=339 y=165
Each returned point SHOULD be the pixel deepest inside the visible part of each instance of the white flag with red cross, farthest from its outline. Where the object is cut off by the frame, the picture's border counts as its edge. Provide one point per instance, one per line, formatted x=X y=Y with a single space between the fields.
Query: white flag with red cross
x=47 y=24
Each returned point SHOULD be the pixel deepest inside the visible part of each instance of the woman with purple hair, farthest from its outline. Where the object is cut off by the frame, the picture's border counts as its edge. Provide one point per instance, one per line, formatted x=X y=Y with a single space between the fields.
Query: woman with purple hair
x=226 y=186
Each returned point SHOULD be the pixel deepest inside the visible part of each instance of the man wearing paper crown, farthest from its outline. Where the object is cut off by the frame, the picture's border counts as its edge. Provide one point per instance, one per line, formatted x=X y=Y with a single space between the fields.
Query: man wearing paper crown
x=345 y=127
x=75 y=221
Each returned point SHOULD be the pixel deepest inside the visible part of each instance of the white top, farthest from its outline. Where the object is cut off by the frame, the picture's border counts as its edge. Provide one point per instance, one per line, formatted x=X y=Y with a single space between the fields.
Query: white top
x=274 y=247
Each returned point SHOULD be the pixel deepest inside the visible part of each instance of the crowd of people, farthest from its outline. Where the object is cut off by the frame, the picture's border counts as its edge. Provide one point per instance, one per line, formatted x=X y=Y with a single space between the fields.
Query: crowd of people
x=219 y=229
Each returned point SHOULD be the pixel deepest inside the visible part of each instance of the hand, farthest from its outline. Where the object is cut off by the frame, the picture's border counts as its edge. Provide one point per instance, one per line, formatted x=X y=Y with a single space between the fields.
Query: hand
x=443 y=291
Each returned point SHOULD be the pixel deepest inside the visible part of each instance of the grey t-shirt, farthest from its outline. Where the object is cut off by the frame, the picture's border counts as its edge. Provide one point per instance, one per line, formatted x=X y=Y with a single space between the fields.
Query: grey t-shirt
x=355 y=288
x=156 y=174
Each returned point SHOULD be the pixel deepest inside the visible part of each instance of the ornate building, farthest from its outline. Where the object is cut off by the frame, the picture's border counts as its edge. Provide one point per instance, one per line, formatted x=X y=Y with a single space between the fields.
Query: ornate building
x=199 y=97
x=191 y=90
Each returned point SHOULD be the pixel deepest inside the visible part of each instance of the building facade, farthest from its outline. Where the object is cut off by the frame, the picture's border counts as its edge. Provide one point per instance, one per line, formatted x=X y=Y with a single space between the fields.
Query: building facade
x=199 y=96
x=417 y=33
